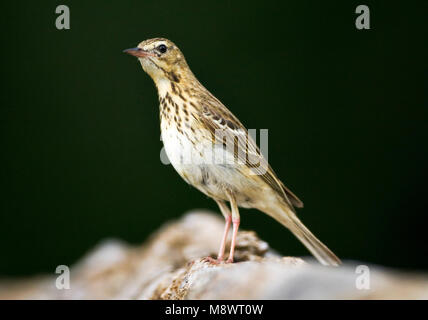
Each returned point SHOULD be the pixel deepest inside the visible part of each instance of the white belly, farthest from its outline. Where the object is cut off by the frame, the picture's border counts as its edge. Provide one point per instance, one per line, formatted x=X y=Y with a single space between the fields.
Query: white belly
x=195 y=163
x=186 y=156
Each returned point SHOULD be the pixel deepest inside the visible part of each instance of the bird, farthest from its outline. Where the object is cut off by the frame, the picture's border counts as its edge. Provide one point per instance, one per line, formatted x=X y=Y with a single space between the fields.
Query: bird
x=211 y=149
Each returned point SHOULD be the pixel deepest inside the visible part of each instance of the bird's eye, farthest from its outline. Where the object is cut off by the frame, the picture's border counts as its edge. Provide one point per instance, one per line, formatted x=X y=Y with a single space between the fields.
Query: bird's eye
x=162 y=48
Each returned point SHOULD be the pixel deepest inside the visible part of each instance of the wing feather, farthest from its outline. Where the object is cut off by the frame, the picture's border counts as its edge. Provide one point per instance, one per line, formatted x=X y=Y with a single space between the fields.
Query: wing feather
x=217 y=118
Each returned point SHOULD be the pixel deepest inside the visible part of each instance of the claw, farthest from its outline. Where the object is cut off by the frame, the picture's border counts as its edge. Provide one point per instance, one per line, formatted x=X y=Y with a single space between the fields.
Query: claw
x=212 y=260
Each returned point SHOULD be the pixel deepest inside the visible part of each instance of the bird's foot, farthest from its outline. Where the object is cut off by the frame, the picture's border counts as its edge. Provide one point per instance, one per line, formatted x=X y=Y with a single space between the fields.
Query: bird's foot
x=212 y=260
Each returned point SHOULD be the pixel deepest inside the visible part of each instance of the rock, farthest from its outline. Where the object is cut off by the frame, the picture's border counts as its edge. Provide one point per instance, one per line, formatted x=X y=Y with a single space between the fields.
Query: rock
x=171 y=265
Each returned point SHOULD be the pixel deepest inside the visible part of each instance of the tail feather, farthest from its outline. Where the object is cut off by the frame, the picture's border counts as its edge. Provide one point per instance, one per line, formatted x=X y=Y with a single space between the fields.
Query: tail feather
x=320 y=251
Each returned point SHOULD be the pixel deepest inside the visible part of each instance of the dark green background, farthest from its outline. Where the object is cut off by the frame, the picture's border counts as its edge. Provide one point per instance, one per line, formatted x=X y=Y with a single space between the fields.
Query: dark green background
x=346 y=112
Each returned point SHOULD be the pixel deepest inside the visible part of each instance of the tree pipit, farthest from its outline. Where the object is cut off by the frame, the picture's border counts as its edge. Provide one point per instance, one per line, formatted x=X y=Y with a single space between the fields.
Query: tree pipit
x=211 y=150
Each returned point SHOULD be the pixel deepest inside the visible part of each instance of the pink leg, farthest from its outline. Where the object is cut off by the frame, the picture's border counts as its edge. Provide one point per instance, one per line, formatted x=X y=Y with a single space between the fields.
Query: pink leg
x=228 y=218
x=223 y=241
x=235 y=220
x=232 y=245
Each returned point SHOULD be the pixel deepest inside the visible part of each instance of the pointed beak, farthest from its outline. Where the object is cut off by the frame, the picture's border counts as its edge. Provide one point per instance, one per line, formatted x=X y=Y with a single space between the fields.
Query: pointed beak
x=138 y=52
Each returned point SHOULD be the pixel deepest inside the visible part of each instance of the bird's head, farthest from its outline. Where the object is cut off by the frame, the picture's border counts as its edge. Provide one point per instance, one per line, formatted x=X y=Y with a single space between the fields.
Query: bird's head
x=161 y=59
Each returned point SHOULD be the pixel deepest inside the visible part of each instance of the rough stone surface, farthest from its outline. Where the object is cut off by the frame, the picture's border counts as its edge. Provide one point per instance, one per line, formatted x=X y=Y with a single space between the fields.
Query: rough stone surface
x=171 y=265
